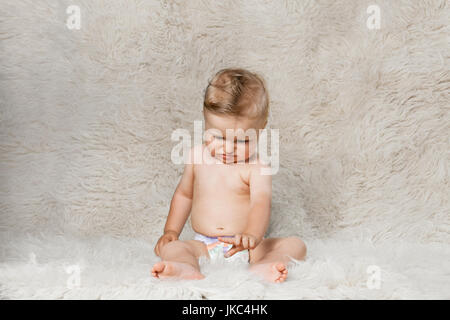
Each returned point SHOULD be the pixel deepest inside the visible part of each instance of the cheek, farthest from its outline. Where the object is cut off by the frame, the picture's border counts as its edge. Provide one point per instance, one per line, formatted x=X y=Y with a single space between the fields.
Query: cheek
x=251 y=148
x=213 y=146
x=241 y=149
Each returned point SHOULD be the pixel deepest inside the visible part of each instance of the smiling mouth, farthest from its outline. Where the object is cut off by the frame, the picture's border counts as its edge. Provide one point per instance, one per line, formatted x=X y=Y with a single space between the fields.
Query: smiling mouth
x=227 y=158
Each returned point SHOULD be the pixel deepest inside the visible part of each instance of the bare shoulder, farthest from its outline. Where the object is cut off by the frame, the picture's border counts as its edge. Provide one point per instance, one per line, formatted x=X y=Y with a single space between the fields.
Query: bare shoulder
x=259 y=168
x=195 y=154
x=260 y=182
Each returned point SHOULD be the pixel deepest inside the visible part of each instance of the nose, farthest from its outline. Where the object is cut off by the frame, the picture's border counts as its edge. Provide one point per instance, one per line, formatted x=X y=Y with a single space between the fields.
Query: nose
x=229 y=147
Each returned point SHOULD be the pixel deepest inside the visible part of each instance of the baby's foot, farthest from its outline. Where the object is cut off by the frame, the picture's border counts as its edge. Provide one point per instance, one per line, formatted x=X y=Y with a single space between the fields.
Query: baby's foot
x=170 y=269
x=272 y=271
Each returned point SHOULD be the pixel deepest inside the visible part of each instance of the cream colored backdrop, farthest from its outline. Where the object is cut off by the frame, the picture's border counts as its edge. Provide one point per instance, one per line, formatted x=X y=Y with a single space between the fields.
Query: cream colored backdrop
x=87 y=115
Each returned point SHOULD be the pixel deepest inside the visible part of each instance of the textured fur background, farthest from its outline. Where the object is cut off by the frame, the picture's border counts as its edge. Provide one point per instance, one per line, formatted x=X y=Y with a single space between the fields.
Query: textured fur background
x=86 y=118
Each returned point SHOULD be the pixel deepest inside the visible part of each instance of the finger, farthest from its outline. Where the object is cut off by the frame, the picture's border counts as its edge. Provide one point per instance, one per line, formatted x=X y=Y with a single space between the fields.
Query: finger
x=252 y=243
x=245 y=242
x=161 y=245
x=158 y=248
x=232 y=251
x=237 y=239
x=226 y=240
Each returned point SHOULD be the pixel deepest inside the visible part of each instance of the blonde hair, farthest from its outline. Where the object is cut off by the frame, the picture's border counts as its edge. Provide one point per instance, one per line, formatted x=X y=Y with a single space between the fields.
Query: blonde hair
x=237 y=92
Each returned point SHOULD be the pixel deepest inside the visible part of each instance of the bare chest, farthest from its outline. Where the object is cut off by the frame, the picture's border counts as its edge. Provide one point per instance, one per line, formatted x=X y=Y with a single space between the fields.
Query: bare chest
x=222 y=178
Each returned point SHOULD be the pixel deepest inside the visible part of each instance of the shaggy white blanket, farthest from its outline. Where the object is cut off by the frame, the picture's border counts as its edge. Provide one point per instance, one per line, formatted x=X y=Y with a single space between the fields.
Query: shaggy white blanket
x=86 y=118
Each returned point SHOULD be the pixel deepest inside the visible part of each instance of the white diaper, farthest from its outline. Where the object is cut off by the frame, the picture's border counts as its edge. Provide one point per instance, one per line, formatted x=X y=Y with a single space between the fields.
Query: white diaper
x=217 y=249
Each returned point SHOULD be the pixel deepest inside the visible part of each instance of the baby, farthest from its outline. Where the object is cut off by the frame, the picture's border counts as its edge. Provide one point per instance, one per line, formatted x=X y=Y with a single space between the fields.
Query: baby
x=228 y=198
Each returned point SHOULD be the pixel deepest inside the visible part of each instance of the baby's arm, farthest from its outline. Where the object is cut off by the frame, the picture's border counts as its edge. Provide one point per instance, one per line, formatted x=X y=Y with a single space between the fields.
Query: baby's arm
x=259 y=215
x=180 y=207
x=181 y=203
x=260 y=201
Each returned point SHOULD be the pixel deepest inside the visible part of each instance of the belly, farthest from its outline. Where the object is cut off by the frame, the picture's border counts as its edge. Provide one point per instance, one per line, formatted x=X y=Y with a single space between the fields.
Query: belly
x=220 y=218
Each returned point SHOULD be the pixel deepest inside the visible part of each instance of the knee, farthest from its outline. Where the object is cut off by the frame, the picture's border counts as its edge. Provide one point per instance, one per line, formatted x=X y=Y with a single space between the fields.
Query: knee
x=297 y=246
x=173 y=247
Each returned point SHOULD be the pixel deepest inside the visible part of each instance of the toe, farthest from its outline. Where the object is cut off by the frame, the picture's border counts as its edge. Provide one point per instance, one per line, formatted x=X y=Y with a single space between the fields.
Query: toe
x=199 y=276
x=158 y=267
x=280 y=267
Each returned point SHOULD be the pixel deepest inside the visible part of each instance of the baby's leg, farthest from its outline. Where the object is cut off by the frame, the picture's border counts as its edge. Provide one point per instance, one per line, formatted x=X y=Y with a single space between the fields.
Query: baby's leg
x=270 y=257
x=179 y=259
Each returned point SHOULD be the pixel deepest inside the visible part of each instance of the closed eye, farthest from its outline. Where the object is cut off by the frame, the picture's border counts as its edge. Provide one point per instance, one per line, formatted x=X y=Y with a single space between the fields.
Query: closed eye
x=239 y=141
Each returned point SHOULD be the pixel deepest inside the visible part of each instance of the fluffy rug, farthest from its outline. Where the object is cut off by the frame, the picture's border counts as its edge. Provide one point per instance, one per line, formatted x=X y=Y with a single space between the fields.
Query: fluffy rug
x=86 y=118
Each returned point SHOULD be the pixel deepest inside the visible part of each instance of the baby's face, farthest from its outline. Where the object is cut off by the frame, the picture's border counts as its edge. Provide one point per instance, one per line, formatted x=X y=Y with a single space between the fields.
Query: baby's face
x=231 y=139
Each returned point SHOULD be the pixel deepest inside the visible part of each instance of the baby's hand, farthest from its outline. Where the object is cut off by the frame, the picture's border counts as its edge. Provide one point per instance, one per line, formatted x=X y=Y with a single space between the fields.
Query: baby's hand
x=165 y=238
x=240 y=242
